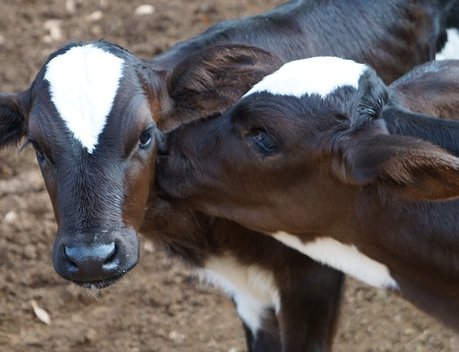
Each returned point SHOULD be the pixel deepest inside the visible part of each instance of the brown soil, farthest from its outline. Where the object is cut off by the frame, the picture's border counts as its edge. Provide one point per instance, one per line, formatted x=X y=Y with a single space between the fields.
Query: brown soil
x=158 y=306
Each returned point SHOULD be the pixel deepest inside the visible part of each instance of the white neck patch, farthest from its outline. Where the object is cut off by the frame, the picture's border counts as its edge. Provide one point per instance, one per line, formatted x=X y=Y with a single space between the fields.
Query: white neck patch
x=317 y=75
x=342 y=257
x=451 y=49
x=253 y=288
x=83 y=83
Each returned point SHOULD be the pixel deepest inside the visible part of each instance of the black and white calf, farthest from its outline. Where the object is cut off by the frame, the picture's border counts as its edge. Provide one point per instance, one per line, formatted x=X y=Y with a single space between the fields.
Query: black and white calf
x=94 y=114
x=322 y=156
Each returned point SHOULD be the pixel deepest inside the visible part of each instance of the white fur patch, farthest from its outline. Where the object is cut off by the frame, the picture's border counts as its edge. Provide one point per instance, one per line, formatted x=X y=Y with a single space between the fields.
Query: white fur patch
x=252 y=288
x=317 y=75
x=451 y=49
x=342 y=257
x=83 y=83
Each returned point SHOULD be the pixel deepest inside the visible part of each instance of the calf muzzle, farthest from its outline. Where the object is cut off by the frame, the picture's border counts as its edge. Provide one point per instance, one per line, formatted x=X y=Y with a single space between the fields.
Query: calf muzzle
x=97 y=264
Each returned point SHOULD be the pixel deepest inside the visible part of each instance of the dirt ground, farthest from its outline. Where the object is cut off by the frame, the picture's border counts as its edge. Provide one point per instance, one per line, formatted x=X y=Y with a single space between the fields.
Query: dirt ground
x=158 y=306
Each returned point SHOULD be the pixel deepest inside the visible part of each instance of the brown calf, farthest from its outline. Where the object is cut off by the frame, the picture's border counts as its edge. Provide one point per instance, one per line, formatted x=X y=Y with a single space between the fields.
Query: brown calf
x=321 y=156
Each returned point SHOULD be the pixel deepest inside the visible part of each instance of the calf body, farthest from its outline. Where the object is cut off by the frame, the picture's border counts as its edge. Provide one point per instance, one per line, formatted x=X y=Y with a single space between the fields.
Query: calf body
x=96 y=139
x=286 y=301
x=340 y=172
x=222 y=251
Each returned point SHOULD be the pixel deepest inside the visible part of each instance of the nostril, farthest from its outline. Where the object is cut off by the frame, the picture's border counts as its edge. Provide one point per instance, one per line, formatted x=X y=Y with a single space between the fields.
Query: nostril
x=111 y=255
x=93 y=256
x=111 y=261
x=70 y=259
x=107 y=251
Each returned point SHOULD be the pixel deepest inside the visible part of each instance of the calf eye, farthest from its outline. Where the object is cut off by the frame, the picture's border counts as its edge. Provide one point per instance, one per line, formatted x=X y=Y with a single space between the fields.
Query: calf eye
x=145 y=138
x=41 y=158
x=263 y=142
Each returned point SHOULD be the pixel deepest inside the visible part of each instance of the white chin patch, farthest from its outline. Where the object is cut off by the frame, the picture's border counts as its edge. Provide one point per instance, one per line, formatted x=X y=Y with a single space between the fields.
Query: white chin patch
x=317 y=75
x=83 y=83
x=451 y=49
x=342 y=257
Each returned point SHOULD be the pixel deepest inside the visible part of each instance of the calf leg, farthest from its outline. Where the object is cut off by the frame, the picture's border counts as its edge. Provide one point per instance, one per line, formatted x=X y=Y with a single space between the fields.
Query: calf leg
x=267 y=338
x=309 y=308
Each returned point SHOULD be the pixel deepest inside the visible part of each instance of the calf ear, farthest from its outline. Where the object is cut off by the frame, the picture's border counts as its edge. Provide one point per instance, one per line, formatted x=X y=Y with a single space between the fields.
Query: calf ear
x=414 y=169
x=371 y=97
x=211 y=80
x=12 y=119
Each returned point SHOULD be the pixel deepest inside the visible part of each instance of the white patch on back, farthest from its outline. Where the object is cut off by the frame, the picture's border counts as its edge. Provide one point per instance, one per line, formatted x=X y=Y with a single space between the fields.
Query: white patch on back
x=83 y=83
x=451 y=49
x=317 y=75
x=252 y=288
x=342 y=257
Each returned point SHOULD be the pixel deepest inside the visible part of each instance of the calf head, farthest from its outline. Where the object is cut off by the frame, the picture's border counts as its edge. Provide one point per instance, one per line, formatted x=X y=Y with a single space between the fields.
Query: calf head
x=88 y=119
x=298 y=149
x=92 y=114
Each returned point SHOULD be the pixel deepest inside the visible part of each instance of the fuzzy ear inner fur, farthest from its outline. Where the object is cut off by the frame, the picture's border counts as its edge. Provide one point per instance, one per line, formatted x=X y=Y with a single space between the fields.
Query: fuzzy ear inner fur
x=211 y=80
x=371 y=97
x=412 y=168
x=13 y=125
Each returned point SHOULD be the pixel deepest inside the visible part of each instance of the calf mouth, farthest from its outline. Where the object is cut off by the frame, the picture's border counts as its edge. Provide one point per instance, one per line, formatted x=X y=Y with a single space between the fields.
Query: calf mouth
x=101 y=284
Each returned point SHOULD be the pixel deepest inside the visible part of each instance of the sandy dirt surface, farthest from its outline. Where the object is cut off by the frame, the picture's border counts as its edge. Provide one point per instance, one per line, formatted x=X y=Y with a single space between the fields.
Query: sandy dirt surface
x=158 y=306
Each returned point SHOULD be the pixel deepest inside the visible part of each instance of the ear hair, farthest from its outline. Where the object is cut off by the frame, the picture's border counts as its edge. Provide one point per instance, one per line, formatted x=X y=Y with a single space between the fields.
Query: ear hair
x=371 y=97
x=430 y=174
x=13 y=124
x=412 y=168
x=209 y=81
x=153 y=81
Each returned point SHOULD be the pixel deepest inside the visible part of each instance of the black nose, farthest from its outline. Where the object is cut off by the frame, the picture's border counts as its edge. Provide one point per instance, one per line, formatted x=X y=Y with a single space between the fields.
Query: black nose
x=98 y=261
x=95 y=263
x=83 y=260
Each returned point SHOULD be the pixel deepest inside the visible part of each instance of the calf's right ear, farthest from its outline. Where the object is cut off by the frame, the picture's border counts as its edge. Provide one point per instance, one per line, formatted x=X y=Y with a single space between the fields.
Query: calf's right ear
x=209 y=81
x=13 y=124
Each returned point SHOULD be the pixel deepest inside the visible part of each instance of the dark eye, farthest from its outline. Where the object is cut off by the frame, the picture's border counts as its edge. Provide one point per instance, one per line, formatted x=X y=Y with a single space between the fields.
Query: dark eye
x=41 y=158
x=145 y=138
x=263 y=142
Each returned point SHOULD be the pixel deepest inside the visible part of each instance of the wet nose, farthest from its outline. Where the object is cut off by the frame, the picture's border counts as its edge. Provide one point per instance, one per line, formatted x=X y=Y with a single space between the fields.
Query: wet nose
x=94 y=263
x=87 y=259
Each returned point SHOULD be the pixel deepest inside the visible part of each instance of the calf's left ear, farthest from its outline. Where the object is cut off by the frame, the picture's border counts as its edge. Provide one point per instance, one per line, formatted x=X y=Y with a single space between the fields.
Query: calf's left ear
x=209 y=81
x=412 y=168
x=13 y=124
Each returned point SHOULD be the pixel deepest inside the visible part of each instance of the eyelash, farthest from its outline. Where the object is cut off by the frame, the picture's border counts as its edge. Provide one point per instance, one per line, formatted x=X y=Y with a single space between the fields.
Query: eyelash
x=263 y=142
x=41 y=157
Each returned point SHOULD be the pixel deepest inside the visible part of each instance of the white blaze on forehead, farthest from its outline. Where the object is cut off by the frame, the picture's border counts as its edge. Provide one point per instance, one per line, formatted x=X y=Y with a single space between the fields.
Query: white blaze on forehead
x=83 y=83
x=343 y=257
x=317 y=75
